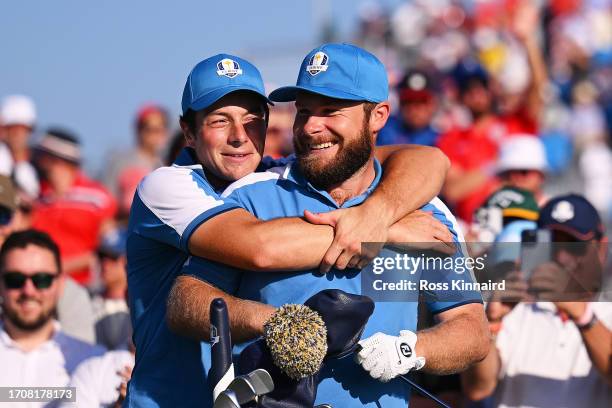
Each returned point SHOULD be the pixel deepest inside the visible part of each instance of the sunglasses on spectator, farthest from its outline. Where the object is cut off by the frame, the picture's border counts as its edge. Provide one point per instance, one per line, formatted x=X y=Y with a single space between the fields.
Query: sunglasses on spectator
x=6 y=216
x=17 y=280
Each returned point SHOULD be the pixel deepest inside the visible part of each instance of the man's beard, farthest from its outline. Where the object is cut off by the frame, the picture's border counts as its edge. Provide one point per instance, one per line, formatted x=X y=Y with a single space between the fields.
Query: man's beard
x=350 y=158
x=33 y=325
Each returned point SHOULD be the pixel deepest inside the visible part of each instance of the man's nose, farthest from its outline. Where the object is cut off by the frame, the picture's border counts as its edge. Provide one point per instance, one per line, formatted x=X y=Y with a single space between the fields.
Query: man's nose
x=238 y=135
x=28 y=288
x=313 y=125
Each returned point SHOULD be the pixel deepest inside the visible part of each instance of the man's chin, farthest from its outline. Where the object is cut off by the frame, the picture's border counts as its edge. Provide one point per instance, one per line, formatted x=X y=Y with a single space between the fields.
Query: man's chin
x=238 y=172
x=29 y=323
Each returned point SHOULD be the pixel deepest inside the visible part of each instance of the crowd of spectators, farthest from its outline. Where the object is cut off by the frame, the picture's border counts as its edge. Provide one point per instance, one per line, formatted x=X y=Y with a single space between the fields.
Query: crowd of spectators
x=518 y=94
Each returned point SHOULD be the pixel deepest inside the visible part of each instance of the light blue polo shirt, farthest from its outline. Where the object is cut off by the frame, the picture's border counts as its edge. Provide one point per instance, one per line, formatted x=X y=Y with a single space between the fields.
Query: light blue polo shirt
x=283 y=192
x=169 y=204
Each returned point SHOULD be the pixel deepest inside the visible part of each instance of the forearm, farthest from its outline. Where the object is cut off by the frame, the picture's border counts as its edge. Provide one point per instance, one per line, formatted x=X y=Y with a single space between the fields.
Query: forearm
x=412 y=176
x=239 y=239
x=453 y=345
x=188 y=311
x=539 y=76
x=291 y=244
x=479 y=380
x=597 y=340
x=460 y=184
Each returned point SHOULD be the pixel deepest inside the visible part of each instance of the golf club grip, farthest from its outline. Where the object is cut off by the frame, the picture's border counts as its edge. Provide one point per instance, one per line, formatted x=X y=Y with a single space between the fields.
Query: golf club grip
x=221 y=370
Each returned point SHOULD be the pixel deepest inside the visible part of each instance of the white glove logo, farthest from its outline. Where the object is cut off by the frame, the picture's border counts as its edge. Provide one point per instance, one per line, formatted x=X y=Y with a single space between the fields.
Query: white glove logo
x=385 y=357
x=405 y=349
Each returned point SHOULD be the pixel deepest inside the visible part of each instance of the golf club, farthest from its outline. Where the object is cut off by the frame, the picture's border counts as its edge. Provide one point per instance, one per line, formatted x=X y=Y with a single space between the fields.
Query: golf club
x=248 y=387
x=227 y=399
x=222 y=369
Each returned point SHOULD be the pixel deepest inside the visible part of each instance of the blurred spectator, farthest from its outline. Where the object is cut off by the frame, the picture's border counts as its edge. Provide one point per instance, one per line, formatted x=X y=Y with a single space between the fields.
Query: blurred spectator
x=8 y=207
x=596 y=168
x=279 y=136
x=18 y=116
x=506 y=214
x=522 y=163
x=34 y=350
x=522 y=76
x=413 y=122
x=588 y=124
x=6 y=160
x=17 y=121
x=176 y=145
x=74 y=309
x=75 y=312
x=125 y=169
x=472 y=150
x=547 y=353
x=506 y=211
x=588 y=129
x=99 y=380
x=113 y=326
x=73 y=209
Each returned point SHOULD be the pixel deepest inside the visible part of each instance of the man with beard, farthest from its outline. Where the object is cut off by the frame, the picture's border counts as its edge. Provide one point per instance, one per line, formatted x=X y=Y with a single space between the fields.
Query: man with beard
x=341 y=102
x=178 y=211
x=33 y=349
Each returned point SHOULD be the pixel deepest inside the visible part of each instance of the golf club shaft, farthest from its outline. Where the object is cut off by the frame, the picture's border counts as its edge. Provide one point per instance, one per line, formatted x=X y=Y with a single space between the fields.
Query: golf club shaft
x=424 y=391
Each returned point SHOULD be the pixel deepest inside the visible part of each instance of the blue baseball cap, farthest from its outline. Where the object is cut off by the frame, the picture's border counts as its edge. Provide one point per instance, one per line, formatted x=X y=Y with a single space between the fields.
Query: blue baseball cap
x=215 y=77
x=574 y=215
x=341 y=71
x=113 y=244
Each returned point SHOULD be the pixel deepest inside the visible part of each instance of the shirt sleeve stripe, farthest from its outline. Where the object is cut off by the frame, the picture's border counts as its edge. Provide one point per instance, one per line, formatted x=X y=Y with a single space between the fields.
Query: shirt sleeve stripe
x=176 y=198
x=202 y=218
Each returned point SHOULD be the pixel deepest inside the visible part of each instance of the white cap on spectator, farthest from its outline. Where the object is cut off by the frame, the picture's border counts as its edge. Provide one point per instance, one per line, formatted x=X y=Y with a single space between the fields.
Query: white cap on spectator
x=522 y=152
x=18 y=110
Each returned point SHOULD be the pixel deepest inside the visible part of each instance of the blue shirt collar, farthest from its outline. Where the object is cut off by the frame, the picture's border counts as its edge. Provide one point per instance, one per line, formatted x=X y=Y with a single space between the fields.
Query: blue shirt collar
x=294 y=174
x=187 y=158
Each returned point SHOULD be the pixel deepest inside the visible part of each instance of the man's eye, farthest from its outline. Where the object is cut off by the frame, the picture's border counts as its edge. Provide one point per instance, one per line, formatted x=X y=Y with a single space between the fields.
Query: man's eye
x=218 y=122
x=254 y=118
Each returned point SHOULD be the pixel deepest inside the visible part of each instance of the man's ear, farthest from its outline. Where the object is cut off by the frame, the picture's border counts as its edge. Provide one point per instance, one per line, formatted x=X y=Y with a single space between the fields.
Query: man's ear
x=189 y=136
x=379 y=116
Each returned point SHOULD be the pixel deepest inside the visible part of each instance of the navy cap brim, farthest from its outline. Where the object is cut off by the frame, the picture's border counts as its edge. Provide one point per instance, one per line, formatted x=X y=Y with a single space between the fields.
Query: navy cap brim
x=289 y=93
x=210 y=98
x=581 y=236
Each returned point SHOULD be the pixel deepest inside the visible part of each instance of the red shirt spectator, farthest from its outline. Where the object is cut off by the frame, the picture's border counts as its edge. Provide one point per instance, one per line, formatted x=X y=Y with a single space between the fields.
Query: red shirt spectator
x=72 y=208
x=471 y=150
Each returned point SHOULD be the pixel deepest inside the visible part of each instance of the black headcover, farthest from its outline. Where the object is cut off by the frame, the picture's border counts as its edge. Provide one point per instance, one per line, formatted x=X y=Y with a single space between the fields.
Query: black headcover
x=345 y=316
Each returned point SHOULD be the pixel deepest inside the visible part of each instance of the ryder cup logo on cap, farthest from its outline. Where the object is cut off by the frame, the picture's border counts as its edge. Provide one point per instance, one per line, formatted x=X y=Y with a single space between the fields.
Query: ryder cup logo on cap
x=339 y=71
x=228 y=67
x=417 y=82
x=317 y=63
x=213 y=78
x=563 y=211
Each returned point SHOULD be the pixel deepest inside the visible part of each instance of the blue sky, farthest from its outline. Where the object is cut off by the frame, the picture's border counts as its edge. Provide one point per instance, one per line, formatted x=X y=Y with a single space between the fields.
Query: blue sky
x=90 y=65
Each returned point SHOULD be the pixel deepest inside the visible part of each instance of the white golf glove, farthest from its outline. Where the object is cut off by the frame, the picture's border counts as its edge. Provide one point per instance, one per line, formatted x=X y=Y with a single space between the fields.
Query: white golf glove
x=385 y=357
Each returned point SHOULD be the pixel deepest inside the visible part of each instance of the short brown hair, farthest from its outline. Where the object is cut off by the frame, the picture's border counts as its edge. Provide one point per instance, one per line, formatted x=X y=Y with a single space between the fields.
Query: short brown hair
x=22 y=239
